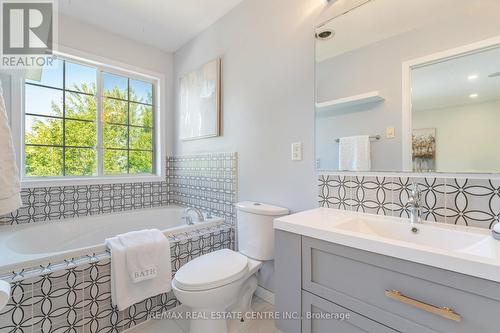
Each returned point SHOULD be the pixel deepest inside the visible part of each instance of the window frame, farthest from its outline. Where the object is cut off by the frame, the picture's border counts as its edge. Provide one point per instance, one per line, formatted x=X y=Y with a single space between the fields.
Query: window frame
x=102 y=66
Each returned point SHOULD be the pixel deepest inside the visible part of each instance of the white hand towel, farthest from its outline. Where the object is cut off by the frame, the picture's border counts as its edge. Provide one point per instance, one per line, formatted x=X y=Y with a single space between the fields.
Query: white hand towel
x=140 y=266
x=10 y=197
x=354 y=153
x=143 y=253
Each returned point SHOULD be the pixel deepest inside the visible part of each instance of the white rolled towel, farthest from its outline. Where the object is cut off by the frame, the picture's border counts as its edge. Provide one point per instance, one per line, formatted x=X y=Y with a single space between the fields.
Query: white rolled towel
x=10 y=189
x=4 y=294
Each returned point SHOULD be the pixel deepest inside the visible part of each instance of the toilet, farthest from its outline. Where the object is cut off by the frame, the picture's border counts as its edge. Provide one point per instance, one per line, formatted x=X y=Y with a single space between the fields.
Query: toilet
x=224 y=280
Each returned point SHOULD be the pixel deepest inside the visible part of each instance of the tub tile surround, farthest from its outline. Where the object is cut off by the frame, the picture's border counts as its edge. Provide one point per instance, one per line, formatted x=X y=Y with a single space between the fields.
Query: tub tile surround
x=74 y=295
x=54 y=203
x=78 y=299
x=205 y=181
x=208 y=182
x=462 y=201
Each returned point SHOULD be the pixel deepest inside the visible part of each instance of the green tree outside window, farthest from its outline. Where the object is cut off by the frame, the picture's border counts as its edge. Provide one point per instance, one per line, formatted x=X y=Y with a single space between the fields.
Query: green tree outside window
x=62 y=141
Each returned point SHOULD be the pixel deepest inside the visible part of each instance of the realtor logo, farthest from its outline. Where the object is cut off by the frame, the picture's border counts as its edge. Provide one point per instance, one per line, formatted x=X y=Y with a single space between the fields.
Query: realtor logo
x=27 y=30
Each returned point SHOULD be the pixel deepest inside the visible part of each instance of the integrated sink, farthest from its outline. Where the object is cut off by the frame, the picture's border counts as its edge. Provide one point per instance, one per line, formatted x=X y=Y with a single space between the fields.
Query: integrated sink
x=467 y=250
x=435 y=235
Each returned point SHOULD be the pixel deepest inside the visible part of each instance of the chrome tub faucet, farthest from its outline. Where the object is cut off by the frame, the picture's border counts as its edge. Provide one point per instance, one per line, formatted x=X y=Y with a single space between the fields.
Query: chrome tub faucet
x=188 y=219
x=198 y=212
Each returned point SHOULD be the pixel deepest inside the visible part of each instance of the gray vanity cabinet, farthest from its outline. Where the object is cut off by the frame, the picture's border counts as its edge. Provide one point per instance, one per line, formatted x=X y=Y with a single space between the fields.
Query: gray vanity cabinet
x=356 y=323
x=381 y=293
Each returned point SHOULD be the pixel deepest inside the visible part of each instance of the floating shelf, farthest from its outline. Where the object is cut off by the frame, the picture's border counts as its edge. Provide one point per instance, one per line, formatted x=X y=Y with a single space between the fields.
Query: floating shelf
x=340 y=103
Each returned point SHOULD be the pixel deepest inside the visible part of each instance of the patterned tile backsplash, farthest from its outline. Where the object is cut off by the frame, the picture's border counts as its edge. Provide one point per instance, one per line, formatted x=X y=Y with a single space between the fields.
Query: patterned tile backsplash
x=208 y=182
x=54 y=203
x=462 y=201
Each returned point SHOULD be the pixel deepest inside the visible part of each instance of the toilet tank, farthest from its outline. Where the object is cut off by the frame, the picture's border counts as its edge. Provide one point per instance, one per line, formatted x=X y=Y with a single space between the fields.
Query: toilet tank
x=255 y=230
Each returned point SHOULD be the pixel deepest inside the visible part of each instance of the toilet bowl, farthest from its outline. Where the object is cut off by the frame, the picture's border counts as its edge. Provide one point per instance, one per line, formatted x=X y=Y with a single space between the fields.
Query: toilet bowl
x=223 y=282
x=214 y=284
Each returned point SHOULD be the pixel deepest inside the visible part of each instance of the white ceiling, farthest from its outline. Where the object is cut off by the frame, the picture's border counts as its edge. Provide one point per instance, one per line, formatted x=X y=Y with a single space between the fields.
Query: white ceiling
x=446 y=83
x=381 y=19
x=165 y=24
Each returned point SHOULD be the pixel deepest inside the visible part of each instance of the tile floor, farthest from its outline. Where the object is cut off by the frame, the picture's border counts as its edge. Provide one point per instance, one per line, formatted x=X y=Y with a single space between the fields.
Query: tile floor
x=235 y=326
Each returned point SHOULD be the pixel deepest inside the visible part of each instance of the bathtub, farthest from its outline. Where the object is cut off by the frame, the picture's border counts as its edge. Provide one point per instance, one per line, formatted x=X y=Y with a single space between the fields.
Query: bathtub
x=42 y=243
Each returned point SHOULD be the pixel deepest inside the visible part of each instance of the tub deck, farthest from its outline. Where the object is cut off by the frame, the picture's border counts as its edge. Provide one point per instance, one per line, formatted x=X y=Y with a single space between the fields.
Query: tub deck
x=42 y=243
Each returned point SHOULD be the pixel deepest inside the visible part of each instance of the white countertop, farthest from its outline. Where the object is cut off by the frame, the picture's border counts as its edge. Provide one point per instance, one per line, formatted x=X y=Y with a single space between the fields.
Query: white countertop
x=466 y=250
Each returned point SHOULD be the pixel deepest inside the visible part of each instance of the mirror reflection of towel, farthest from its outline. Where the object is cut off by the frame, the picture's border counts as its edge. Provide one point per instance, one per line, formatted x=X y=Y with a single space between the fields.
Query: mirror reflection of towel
x=354 y=153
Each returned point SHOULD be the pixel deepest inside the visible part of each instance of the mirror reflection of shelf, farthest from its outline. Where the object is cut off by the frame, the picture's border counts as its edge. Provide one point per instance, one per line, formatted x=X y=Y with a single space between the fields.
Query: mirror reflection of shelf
x=340 y=103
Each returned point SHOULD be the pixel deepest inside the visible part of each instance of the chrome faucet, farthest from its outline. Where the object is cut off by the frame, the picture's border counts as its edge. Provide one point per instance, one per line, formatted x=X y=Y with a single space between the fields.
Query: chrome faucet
x=198 y=212
x=189 y=219
x=415 y=204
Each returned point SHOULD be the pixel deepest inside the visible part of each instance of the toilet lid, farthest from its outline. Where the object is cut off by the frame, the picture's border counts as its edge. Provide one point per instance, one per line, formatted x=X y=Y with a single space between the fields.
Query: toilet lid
x=212 y=270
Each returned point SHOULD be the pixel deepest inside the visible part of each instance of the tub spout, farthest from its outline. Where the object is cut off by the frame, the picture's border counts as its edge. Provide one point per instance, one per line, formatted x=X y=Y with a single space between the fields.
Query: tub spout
x=189 y=220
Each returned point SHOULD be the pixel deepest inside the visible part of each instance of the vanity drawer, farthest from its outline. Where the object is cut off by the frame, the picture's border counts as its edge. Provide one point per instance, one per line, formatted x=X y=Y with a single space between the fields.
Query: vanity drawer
x=343 y=275
x=350 y=322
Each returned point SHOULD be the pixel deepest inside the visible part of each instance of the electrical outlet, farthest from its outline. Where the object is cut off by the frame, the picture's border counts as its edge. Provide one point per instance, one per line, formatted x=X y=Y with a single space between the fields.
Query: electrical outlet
x=297 y=151
x=390 y=132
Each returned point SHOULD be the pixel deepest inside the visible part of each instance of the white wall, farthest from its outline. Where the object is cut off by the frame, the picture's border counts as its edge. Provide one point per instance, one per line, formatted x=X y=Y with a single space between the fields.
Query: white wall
x=466 y=136
x=267 y=50
x=89 y=39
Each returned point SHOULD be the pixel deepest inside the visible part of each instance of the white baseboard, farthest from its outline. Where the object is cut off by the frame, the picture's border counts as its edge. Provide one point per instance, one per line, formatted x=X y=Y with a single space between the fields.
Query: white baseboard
x=265 y=294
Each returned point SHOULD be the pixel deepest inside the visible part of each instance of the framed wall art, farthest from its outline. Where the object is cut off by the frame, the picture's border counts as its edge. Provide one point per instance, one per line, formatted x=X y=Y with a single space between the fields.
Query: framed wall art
x=200 y=102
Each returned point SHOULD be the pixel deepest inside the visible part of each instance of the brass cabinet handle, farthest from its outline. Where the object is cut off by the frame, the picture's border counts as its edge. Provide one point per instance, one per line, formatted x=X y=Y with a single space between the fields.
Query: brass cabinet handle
x=440 y=311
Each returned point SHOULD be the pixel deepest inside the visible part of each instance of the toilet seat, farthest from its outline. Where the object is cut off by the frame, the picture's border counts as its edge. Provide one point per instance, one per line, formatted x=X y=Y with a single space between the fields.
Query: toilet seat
x=212 y=270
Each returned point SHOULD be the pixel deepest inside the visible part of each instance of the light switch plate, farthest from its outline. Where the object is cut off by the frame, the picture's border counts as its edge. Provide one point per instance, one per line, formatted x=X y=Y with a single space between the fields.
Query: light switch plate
x=297 y=151
x=390 y=132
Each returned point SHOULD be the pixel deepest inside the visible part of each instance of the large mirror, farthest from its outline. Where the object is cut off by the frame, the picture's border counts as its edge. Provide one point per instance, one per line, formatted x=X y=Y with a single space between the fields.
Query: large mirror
x=409 y=85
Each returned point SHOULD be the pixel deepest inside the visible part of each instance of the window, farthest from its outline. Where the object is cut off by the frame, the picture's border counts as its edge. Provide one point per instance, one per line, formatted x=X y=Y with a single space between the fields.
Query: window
x=83 y=120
